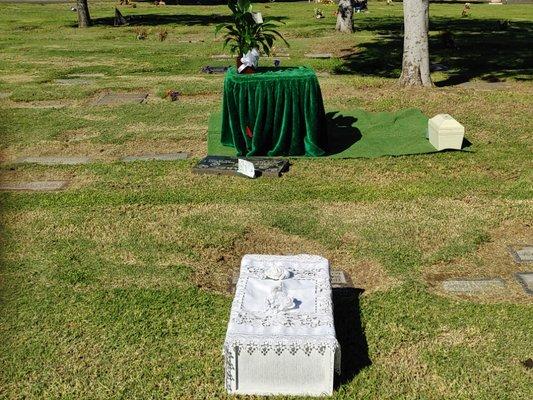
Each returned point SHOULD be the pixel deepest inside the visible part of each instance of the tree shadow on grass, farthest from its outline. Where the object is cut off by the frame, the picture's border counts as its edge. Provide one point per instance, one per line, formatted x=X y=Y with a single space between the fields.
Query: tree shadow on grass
x=166 y=19
x=341 y=132
x=350 y=333
x=176 y=19
x=489 y=49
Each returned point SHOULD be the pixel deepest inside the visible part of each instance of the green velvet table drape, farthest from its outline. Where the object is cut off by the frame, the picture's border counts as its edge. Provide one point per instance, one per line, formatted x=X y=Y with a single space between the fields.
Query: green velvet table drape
x=274 y=112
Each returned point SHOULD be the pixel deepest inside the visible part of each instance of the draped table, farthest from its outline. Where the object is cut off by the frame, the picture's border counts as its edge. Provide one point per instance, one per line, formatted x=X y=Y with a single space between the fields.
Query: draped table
x=281 y=335
x=274 y=112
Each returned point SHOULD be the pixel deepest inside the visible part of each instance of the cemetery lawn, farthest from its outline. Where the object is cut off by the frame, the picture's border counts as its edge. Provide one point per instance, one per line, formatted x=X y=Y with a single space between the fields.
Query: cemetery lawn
x=117 y=286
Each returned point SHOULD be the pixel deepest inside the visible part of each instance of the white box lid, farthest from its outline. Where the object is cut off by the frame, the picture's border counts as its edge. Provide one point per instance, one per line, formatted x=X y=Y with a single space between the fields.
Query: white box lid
x=446 y=124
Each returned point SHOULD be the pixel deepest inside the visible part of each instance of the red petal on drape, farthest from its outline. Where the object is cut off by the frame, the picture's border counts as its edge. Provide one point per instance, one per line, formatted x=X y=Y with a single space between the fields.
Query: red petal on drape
x=249 y=132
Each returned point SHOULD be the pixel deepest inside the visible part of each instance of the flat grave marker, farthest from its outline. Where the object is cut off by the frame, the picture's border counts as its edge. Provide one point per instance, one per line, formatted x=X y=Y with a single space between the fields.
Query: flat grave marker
x=338 y=279
x=156 y=157
x=73 y=81
x=120 y=98
x=473 y=285
x=526 y=279
x=521 y=253
x=222 y=165
x=54 y=160
x=87 y=75
x=35 y=186
x=319 y=55
x=214 y=70
x=481 y=85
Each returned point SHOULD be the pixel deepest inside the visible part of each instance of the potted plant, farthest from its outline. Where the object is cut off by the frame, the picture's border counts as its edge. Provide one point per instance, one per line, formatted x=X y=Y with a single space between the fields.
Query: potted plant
x=248 y=34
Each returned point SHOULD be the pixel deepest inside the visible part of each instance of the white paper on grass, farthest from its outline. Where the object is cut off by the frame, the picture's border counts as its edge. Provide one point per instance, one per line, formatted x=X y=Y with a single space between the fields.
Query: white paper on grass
x=246 y=168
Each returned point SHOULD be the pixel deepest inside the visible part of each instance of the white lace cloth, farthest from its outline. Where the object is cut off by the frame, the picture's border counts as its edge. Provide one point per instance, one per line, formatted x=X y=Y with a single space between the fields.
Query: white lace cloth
x=306 y=325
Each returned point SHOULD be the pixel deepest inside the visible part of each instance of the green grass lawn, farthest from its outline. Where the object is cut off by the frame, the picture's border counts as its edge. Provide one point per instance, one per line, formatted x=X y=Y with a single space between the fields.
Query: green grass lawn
x=117 y=286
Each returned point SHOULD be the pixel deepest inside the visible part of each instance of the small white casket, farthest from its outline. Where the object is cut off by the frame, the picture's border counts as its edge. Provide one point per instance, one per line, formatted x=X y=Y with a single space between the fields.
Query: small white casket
x=281 y=337
x=445 y=132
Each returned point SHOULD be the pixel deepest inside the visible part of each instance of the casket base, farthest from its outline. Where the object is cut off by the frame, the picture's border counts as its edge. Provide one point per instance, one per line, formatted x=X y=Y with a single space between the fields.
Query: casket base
x=284 y=374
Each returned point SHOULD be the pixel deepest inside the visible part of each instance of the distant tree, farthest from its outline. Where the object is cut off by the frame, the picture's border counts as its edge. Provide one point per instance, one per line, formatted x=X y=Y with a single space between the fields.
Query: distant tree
x=415 y=64
x=345 y=16
x=84 y=18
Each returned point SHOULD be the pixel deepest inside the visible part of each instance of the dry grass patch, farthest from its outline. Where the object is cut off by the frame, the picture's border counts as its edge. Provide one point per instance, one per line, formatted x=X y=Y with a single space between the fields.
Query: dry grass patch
x=369 y=275
x=336 y=45
x=470 y=336
x=144 y=80
x=43 y=104
x=79 y=135
x=17 y=78
x=79 y=143
x=210 y=239
x=98 y=118
x=147 y=146
x=405 y=370
x=67 y=148
x=259 y=239
x=65 y=62
x=427 y=224
x=78 y=179
x=491 y=259
x=202 y=98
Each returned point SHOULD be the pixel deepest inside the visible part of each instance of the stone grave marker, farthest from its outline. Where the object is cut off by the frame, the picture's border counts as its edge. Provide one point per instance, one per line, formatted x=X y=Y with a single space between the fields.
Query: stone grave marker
x=54 y=160
x=521 y=253
x=35 y=186
x=473 y=285
x=120 y=98
x=156 y=157
x=73 y=81
x=87 y=75
x=482 y=85
x=319 y=55
x=338 y=279
x=222 y=165
x=214 y=70
x=526 y=279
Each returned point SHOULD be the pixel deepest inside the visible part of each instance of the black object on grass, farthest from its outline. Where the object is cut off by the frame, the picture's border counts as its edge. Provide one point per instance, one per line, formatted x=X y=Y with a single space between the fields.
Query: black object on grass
x=214 y=70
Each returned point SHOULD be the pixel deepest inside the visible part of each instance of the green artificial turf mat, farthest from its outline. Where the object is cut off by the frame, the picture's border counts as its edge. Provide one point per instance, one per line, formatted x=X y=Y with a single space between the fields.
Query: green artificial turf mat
x=357 y=134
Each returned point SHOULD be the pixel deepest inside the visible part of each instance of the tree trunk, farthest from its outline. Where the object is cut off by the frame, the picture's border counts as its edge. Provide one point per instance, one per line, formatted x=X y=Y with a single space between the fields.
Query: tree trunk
x=84 y=19
x=415 y=64
x=345 y=16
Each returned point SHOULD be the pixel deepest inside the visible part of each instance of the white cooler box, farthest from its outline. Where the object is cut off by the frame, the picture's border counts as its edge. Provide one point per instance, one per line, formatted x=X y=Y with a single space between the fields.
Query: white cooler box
x=445 y=132
x=281 y=338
